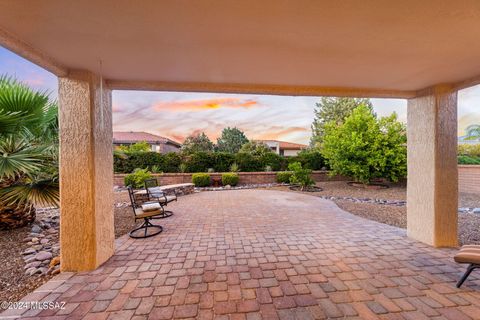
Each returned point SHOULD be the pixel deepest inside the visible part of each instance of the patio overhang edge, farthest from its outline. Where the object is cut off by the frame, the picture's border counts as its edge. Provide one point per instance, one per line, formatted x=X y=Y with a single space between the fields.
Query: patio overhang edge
x=285 y=90
x=28 y=52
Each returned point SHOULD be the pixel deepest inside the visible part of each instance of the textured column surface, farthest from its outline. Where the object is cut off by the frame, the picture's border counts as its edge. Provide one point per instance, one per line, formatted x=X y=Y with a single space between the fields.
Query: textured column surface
x=432 y=190
x=86 y=173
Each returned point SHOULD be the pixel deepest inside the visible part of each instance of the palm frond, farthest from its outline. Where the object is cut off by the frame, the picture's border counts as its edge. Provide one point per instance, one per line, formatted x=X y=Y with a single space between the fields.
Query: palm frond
x=40 y=193
x=18 y=157
x=18 y=101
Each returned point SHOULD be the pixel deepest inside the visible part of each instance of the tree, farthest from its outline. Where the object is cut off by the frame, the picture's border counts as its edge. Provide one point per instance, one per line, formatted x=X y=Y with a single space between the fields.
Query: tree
x=197 y=143
x=29 y=149
x=333 y=109
x=364 y=147
x=231 y=140
x=256 y=148
x=142 y=146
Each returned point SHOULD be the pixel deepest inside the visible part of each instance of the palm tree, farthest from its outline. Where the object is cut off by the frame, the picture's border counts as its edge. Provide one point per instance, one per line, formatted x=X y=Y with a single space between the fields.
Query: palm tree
x=28 y=152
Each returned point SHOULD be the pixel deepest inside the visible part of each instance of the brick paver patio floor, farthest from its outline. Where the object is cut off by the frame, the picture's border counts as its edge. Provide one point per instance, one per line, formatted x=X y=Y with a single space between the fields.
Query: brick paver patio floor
x=260 y=254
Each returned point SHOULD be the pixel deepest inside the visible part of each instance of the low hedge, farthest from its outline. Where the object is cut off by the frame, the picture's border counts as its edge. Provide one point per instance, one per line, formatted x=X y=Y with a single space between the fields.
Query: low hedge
x=230 y=179
x=464 y=159
x=284 y=176
x=201 y=179
x=219 y=161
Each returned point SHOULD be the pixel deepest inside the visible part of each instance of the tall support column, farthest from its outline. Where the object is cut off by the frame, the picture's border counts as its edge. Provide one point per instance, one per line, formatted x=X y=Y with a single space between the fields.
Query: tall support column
x=86 y=172
x=432 y=190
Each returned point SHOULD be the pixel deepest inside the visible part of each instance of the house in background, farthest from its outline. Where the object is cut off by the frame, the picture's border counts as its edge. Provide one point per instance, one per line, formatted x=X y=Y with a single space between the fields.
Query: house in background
x=157 y=143
x=284 y=148
x=472 y=135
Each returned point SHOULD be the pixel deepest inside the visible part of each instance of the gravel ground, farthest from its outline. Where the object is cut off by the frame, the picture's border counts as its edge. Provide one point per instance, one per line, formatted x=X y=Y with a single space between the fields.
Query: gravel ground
x=14 y=284
x=468 y=223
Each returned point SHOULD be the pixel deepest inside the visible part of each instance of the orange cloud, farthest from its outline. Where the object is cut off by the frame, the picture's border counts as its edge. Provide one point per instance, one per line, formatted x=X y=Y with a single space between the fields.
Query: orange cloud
x=204 y=104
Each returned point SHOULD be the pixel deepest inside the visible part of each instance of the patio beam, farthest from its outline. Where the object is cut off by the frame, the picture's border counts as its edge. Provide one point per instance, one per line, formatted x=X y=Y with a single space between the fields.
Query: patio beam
x=432 y=190
x=287 y=90
x=86 y=172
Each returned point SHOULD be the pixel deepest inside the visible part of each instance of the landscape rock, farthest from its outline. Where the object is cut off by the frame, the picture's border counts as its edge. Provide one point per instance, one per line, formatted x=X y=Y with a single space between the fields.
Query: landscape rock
x=43 y=255
x=29 y=251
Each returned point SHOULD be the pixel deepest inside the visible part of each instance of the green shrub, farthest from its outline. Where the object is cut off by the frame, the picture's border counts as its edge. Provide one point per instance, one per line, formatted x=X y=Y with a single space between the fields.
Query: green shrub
x=469 y=150
x=230 y=179
x=137 y=179
x=248 y=163
x=310 y=159
x=365 y=147
x=284 y=176
x=199 y=161
x=275 y=161
x=222 y=161
x=300 y=176
x=201 y=179
x=463 y=159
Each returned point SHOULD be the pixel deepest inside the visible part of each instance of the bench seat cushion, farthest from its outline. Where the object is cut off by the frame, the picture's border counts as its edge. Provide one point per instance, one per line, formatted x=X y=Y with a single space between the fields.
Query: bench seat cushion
x=468 y=254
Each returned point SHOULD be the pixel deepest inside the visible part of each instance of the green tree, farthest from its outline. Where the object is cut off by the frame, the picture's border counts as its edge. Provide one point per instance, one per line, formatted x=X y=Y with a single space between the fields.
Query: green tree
x=142 y=146
x=333 y=109
x=231 y=140
x=364 y=147
x=256 y=148
x=197 y=143
x=29 y=149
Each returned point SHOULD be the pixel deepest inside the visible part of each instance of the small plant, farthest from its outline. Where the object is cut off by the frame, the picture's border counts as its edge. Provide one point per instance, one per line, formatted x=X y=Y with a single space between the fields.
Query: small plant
x=211 y=170
x=155 y=169
x=300 y=176
x=230 y=179
x=182 y=168
x=137 y=179
x=234 y=167
x=201 y=179
x=284 y=176
x=268 y=168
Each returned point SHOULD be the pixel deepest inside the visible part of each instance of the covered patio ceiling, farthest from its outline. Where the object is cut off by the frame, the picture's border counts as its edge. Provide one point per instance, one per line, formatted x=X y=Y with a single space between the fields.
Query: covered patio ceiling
x=363 y=48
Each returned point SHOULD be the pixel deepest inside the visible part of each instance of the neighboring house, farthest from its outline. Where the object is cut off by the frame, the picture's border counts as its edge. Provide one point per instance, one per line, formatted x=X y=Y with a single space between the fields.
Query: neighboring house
x=472 y=135
x=283 y=148
x=157 y=143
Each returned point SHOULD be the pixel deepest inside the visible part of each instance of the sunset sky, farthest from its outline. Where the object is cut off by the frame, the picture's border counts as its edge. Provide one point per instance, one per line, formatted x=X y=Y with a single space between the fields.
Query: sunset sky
x=176 y=115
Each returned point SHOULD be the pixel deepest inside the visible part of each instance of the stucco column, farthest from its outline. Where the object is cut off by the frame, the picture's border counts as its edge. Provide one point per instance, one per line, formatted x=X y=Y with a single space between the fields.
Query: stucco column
x=432 y=190
x=86 y=172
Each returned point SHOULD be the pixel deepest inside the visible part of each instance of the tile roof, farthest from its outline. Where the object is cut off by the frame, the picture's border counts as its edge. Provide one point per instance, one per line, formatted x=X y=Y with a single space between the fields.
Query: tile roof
x=287 y=145
x=135 y=136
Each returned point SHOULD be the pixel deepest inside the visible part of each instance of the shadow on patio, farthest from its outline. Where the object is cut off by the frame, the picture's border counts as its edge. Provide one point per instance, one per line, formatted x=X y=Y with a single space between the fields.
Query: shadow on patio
x=258 y=254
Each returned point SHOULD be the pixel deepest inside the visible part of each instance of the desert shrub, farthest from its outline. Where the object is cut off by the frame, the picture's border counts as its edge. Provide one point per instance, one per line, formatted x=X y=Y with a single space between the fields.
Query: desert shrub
x=464 y=159
x=230 y=178
x=365 y=148
x=201 y=179
x=300 y=176
x=284 y=176
x=223 y=161
x=210 y=170
x=469 y=150
x=234 y=167
x=137 y=178
x=268 y=168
